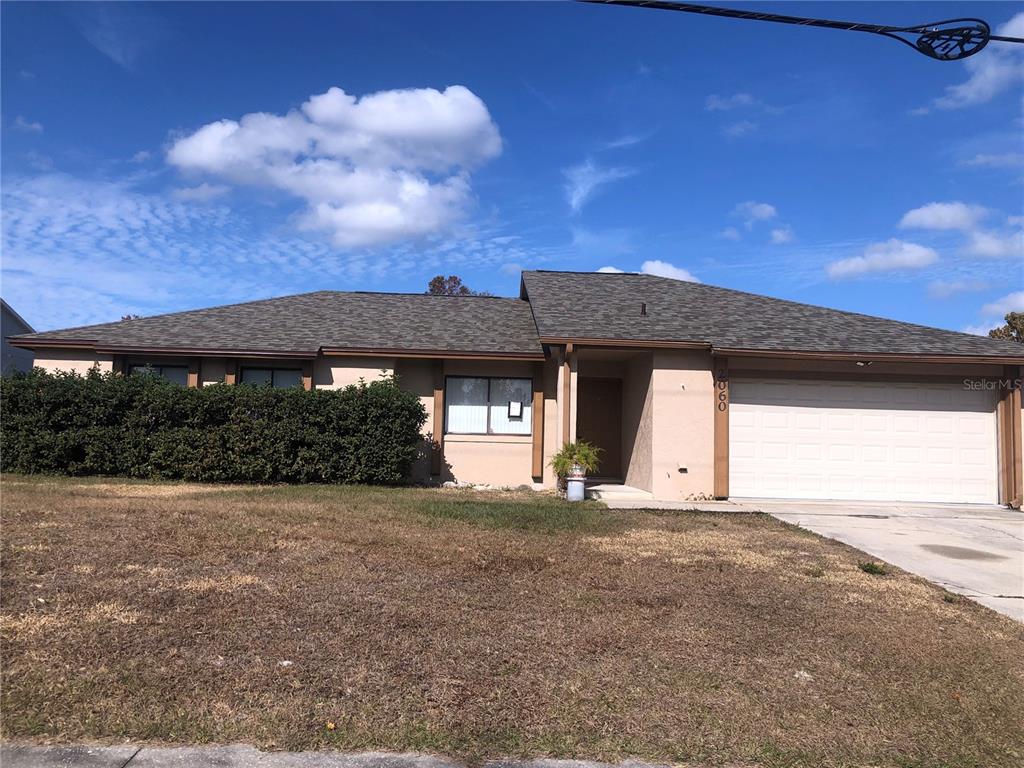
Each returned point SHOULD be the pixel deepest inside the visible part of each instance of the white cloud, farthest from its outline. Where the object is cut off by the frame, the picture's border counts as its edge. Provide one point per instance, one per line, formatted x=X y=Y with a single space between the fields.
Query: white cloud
x=628 y=140
x=511 y=268
x=730 y=233
x=658 y=269
x=1004 y=160
x=1011 y=302
x=998 y=68
x=782 y=235
x=944 y=216
x=387 y=166
x=979 y=330
x=132 y=241
x=752 y=212
x=994 y=244
x=202 y=193
x=716 y=103
x=740 y=128
x=120 y=31
x=141 y=156
x=943 y=289
x=1015 y=221
x=889 y=256
x=583 y=180
x=28 y=126
x=665 y=269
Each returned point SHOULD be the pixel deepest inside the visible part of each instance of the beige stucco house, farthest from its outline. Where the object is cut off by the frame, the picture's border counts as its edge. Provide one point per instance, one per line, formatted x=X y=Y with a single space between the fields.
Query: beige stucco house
x=692 y=391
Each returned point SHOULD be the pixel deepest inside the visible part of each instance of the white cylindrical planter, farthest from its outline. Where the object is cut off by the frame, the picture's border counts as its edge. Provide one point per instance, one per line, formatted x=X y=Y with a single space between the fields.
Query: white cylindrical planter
x=574 y=488
x=575 y=484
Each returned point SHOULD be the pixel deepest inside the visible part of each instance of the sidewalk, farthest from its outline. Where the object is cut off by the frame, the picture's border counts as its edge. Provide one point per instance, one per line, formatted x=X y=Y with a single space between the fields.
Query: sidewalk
x=244 y=756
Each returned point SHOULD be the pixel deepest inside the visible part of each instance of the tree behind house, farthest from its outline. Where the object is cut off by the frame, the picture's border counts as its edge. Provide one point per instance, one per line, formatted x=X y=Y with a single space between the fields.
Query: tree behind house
x=1013 y=330
x=451 y=285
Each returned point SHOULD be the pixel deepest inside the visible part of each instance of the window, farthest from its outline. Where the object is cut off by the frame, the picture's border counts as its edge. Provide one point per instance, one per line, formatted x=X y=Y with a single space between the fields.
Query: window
x=280 y=378
x=488 y=406
x=176 y=373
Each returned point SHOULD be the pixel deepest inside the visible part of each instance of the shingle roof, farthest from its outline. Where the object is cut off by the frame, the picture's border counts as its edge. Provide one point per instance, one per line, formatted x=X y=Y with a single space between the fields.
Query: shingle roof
x=561 y=305
x=594 y=305
x=331 y=320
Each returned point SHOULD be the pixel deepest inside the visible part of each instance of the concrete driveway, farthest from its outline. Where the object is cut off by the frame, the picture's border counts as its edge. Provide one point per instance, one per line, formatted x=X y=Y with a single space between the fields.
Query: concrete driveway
x=973 y=550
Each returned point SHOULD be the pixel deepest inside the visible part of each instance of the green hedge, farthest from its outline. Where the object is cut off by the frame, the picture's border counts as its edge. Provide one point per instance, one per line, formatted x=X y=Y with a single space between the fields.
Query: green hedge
x=143 y=426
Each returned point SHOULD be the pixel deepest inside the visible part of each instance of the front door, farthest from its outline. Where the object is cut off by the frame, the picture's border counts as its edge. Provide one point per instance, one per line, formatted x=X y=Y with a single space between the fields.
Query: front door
x=599 y=421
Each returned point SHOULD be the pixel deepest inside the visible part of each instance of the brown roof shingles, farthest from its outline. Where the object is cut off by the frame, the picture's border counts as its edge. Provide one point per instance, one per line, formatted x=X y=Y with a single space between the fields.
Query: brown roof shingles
x=557 y=305
x=595 y=305
x=330 y=320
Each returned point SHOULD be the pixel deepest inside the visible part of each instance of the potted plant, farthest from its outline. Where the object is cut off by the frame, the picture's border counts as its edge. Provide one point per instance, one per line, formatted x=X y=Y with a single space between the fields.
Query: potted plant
x=573 y=462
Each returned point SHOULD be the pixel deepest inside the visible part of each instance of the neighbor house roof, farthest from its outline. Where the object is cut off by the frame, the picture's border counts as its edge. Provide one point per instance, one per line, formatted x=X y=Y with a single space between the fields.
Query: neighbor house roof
x=325 y=320
x=609 y=306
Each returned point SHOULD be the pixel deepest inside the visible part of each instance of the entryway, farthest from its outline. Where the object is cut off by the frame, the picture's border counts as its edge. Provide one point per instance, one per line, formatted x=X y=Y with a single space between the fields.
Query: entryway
x=599 y=421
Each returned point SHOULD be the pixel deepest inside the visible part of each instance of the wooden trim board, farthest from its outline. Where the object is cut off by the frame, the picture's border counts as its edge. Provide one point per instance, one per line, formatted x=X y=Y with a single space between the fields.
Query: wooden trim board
x=538 y=422
x=567 y=392
x=437 y=427
x=193 y=373
x=721 y=449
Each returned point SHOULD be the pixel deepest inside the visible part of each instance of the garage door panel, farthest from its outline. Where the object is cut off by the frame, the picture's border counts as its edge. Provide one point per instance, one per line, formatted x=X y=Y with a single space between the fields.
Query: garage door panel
x=859 y=440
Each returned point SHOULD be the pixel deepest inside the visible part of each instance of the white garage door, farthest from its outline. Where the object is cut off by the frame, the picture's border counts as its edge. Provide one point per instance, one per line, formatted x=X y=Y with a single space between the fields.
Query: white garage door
x=858 y=440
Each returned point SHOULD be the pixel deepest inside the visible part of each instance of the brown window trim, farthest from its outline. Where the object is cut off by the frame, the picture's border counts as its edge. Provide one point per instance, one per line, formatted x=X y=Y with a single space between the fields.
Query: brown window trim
x=488 y=379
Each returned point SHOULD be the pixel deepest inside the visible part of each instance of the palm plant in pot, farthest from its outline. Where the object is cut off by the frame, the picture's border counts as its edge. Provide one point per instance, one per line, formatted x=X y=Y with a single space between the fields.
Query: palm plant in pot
x=575 y=460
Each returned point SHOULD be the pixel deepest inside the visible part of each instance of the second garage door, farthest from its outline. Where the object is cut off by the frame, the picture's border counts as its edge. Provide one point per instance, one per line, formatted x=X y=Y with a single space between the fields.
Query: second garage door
x=862 y=441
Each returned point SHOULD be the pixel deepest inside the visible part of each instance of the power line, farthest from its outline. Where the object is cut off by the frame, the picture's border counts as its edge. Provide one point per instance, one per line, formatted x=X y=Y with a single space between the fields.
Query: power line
x=949 y=40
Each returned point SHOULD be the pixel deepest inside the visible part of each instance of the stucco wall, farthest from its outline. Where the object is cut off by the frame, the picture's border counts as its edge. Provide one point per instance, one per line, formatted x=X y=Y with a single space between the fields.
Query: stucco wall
x=417 y=376
x=683 y=425
x=552 y=413
x=501 y=460
x=491 y=459
x=337 y=371
x=637 y=421
x=73 y=360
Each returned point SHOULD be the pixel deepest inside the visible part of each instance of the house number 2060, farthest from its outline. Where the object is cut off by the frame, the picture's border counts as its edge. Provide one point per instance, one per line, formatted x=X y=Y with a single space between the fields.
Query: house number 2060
x=722 y=387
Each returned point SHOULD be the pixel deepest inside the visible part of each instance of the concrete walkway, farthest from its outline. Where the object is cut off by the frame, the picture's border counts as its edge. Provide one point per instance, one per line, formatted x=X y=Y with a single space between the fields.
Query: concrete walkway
x=244 y=756
x=973 y=550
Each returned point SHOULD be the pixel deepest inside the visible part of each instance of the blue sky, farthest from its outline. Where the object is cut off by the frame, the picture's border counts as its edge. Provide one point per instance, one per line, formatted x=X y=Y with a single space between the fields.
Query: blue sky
x=171 y=156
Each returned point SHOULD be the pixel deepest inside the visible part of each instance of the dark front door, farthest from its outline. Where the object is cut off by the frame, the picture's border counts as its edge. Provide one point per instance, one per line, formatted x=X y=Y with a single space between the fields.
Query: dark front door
x=599 y=421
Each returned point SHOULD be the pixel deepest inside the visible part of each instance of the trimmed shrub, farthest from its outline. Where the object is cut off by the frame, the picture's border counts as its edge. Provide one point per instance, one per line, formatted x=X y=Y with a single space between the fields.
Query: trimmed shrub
x=144 y=426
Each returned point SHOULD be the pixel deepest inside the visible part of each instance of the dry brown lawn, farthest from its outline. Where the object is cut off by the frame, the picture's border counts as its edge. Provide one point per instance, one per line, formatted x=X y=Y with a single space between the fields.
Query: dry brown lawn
x=482 y=625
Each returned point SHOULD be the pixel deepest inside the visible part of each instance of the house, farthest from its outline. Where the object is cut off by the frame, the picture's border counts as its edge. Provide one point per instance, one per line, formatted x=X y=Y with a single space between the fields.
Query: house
x=13 y=358
x=691 y=390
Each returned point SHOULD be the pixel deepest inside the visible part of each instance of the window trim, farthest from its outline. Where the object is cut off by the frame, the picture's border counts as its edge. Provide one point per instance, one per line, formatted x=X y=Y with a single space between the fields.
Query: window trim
x=272 y=368
x=489 y=433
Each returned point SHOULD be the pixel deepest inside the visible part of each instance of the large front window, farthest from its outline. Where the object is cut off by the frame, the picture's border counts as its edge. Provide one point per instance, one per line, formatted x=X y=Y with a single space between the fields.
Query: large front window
x=279 y=378
x=488 y=406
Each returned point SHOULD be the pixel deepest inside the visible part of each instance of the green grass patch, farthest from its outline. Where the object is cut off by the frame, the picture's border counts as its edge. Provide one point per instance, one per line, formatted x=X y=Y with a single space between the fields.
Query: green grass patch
x=548 y=516
x=873 y=568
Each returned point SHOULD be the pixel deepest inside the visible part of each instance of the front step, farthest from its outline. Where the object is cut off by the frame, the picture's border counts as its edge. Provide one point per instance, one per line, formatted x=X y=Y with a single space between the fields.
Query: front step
x=617 y=492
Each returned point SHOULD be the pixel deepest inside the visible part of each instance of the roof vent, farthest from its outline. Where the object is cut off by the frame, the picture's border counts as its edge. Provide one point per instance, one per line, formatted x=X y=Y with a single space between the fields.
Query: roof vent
x=643 y=309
